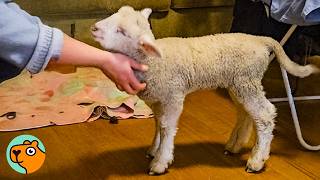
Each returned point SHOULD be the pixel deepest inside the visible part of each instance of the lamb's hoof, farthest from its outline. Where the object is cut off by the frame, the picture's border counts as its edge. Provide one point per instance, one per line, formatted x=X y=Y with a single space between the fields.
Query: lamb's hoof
x=249 y=170
x=228 y=153
x=152 y=173
x=253 y=167
x=158 y=169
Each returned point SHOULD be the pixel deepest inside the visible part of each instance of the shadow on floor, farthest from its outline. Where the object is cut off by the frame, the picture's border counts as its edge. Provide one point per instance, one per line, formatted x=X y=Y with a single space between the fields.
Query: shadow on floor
x=130 y=162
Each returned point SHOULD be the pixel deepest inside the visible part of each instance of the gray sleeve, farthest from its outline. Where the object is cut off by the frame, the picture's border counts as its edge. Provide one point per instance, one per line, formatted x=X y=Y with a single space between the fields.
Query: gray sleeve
x=25 y=42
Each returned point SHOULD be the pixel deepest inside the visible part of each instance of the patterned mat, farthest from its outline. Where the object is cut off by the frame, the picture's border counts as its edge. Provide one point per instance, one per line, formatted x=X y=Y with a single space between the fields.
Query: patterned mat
x=52 y=98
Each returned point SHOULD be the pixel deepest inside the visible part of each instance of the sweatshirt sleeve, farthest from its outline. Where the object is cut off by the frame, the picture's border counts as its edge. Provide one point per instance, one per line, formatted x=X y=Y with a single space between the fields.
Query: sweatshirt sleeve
x=25 y=41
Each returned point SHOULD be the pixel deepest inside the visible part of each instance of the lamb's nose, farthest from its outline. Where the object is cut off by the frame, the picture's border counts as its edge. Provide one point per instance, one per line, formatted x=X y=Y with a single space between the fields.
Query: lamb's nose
x=94 y=28
x=16 y=152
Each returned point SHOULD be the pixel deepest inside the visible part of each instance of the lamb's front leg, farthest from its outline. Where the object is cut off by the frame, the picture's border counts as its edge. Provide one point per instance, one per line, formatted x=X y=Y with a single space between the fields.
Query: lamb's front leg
x=168 y=116
x=156 y=140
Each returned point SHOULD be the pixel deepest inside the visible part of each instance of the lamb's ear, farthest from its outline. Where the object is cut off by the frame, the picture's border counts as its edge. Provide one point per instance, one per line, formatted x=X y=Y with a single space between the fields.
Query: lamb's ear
x=146 y=12
x=126 y=9
x=149 y=47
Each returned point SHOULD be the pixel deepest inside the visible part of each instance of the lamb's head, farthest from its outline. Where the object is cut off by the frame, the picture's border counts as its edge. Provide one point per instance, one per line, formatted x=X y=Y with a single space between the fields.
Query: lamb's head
x=127 y=31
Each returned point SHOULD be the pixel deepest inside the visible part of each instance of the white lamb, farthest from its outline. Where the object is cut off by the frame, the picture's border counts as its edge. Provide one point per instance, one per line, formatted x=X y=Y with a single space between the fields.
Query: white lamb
x=178 y=66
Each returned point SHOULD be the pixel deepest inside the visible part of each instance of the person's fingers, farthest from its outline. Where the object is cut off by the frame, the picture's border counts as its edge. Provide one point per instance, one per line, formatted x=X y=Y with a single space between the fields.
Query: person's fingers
x=129 y=89
x=143 y=86
x=135 y=84
x=135 y=65
x=119 y=87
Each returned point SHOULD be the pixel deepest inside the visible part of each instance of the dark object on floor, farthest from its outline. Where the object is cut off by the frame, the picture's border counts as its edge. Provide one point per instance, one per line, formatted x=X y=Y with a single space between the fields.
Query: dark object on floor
x=101 y=111
x=114 y=120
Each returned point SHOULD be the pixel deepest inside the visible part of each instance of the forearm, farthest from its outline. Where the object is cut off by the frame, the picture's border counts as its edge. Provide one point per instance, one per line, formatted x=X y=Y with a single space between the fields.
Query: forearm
x=78 y=53
x=118 y=67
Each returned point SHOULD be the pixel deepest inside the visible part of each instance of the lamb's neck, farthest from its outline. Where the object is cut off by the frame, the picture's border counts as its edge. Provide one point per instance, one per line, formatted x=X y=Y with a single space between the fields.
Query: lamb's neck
x=139 y=56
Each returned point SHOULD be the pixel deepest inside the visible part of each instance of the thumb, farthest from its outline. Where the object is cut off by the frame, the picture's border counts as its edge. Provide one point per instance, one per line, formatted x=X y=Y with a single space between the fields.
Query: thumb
x=137 y=66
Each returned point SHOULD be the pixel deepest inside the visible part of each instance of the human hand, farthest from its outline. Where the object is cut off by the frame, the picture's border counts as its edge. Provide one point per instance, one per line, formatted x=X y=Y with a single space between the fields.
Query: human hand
x=119 y=68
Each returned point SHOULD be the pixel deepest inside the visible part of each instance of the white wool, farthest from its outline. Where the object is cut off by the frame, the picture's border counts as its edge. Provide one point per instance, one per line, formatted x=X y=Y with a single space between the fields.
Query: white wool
x=178 y=66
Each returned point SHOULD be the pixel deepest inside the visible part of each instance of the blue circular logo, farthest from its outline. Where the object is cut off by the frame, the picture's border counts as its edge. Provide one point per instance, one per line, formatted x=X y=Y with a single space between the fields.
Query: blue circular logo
x=25 y=154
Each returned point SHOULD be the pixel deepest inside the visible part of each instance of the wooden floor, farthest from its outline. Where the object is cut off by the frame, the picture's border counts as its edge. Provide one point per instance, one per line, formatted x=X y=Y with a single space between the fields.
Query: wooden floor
x=100 y=150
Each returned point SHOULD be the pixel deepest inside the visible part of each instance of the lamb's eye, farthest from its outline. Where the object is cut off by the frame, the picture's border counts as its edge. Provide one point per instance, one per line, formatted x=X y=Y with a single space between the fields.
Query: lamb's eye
x=30 y=151
x=122 y=31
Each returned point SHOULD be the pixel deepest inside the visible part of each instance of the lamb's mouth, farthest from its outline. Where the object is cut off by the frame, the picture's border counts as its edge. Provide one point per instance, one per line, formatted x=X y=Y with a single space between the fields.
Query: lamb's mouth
x=96 y=36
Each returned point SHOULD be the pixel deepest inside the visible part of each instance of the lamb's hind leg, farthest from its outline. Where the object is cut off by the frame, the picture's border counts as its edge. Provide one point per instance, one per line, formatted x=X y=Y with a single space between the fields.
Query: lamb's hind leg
x=241 y=132
x=263 y=114
x=168 y=120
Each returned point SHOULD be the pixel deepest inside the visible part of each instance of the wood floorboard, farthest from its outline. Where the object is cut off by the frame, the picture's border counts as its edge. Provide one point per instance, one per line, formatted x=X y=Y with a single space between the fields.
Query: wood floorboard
x=99 y=150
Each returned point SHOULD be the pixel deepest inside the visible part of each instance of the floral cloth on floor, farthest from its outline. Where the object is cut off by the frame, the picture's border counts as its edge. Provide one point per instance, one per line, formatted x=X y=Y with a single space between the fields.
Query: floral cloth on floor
x=52 y=98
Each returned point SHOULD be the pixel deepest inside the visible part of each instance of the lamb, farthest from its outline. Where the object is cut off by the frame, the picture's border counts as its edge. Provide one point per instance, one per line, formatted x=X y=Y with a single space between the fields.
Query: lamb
x=179 y=66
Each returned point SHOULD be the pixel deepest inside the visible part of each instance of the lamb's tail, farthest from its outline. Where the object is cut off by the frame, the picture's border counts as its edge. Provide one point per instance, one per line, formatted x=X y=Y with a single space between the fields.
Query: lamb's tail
x=292 y=67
